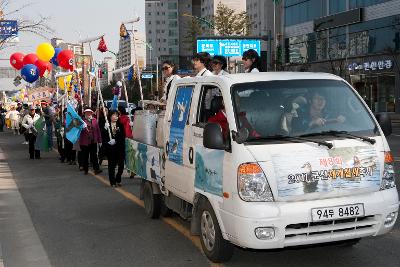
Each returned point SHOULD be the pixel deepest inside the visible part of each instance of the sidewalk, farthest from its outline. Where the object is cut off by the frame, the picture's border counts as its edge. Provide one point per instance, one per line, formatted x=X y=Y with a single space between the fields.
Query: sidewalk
x=19 y=242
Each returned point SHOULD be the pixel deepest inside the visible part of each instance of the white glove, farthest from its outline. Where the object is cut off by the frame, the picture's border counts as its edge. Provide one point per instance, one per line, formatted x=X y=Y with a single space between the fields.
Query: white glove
x=131 y=123
x=111 y=142
x=106 y=125
x=84 y=125
x=100 y=144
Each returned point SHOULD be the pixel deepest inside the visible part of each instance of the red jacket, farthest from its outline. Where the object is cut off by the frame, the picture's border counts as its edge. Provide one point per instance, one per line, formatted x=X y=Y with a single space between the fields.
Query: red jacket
x=124 y=120
x=92 y=130
x=220 y=118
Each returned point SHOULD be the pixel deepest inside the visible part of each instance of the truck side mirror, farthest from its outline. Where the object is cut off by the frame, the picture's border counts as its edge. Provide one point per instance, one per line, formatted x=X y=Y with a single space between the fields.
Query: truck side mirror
x=385 y=122
x=240 y=136
x=212 y=136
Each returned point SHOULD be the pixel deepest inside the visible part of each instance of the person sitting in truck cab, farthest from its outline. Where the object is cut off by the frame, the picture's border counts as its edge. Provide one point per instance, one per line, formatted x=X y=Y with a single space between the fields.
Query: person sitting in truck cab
x=201 y=64
x=315 y=113
x=218 y=108
x=242 y=119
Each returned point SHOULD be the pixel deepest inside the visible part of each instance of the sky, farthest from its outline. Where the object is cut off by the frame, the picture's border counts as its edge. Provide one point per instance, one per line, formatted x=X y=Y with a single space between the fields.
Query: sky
x=75 y=19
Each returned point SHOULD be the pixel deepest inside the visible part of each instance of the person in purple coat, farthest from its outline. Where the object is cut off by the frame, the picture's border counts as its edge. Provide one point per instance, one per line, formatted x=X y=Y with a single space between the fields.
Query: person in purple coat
x=90 y=137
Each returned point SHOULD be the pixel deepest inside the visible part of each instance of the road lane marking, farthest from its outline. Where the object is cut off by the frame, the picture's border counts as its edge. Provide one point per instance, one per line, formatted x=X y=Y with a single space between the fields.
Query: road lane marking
x=171 y=222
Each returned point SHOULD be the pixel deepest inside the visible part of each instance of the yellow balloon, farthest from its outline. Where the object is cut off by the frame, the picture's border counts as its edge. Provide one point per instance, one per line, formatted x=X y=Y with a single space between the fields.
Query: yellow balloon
x=45 y=51
x=64 y=82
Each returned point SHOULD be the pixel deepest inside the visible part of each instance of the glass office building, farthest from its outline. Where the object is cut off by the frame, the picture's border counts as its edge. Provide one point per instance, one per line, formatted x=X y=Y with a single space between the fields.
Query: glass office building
x=358 y=40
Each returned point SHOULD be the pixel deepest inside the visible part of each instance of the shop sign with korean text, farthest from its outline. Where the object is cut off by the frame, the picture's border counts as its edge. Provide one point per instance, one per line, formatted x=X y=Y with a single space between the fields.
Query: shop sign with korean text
x=385 y=64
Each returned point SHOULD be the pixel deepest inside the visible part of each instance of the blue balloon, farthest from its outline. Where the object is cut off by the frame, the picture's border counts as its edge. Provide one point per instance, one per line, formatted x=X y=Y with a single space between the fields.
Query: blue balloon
x=57 y=50
x=30 y=73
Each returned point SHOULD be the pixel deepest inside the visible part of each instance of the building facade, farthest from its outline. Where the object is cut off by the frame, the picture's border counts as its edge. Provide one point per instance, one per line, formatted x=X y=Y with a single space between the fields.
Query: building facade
x=126 y=51
x=7 y=76
x=78 y=49
x=106 y=67
x=167 y=25
x=358 y=40
x=261 y=14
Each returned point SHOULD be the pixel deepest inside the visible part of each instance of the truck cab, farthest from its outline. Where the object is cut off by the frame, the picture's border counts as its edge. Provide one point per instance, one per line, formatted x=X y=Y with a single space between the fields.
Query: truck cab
x=269 y=160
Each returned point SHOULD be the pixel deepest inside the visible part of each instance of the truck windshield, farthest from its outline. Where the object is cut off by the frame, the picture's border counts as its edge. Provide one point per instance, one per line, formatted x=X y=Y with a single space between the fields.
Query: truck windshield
x=299 y=108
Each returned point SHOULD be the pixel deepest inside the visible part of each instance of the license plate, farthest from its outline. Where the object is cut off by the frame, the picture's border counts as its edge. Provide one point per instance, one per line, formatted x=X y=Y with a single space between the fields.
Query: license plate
x=337 y=212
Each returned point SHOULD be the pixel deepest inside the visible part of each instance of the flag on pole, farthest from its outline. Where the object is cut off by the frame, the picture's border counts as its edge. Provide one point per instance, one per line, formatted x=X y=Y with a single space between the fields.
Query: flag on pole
x=114 y=105
x=102 y=47
x=130 y=73
x=73 y=124
x=123 y=32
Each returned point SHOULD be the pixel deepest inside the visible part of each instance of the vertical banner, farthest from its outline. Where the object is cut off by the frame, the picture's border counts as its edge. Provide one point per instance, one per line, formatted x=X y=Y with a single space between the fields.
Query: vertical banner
x=180 y=115
x=73 y=125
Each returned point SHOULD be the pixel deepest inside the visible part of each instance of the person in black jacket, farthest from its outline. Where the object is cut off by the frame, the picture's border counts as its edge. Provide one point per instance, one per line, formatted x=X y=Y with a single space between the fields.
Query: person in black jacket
x=115 y=149
x=104 y=133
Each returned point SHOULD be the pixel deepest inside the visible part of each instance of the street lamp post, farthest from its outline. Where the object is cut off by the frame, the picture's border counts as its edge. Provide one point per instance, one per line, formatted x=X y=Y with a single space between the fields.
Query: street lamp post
x=133 y=21
x=84 y=41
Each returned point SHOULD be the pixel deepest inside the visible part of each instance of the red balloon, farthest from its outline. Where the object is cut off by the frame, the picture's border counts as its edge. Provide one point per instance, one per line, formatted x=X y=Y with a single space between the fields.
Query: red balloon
x=17 y=60
x=43 y=66
x=30 y=59
x=65 y=59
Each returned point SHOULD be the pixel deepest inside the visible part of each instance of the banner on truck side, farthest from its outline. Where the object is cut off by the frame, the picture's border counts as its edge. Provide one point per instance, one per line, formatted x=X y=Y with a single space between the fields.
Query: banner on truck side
x=144 y=160
x=180 y=115
x=209 y=170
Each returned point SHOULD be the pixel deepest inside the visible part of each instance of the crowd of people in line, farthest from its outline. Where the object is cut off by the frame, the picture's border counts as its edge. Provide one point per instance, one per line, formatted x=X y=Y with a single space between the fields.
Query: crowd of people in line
x=104 y=131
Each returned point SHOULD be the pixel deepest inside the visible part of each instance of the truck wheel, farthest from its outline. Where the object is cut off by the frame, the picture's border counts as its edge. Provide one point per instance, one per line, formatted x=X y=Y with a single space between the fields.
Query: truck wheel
x=165 y=211
x=152 y=202
x=216 y=248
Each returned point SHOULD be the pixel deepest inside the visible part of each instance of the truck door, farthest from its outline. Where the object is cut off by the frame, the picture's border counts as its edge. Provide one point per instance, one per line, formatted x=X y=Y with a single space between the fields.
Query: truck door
x=178 y=177
x=208 y=164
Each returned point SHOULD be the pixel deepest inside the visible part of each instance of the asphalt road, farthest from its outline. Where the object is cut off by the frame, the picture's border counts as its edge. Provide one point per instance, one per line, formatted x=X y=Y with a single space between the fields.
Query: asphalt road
x=80 y=221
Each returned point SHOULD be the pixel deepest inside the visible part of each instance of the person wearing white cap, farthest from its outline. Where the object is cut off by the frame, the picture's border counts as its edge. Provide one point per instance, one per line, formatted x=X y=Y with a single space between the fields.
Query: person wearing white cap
x=28 y=123
x=90 y=137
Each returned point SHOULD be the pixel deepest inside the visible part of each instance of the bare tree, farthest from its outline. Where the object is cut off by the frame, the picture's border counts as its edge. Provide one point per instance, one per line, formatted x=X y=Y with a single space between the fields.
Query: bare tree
x=37 y=27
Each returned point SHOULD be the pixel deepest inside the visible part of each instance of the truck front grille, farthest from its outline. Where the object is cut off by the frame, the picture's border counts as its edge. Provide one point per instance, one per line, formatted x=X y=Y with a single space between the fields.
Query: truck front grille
x=333 y=230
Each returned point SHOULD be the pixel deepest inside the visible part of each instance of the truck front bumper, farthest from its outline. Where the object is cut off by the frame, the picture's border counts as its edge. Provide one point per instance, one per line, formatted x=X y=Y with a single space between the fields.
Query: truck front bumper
x=292 y=223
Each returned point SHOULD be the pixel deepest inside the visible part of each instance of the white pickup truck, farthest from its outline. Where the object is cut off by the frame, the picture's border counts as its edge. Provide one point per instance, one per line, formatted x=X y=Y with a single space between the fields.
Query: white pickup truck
x=289 y=159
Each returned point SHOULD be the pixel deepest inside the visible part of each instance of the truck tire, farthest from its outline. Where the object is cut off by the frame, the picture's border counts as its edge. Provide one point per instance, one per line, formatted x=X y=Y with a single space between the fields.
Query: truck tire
x=165 y=211
x=152 y=202
x=216 y=248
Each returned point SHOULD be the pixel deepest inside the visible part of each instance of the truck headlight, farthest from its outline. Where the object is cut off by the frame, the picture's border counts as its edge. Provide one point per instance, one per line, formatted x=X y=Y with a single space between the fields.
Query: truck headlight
x=252 y=183
x=389 y=175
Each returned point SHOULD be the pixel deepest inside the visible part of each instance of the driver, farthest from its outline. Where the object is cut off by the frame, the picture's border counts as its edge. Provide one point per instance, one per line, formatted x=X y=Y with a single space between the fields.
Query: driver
x=316 y=114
